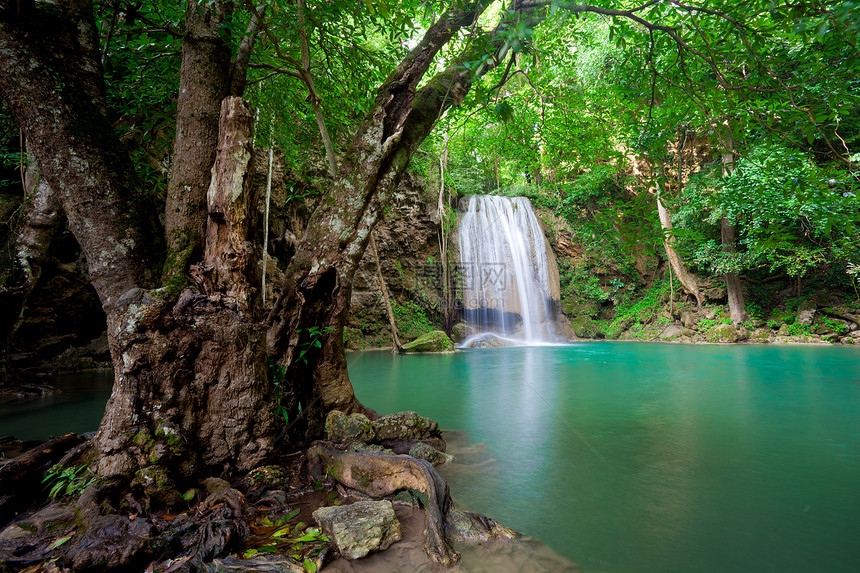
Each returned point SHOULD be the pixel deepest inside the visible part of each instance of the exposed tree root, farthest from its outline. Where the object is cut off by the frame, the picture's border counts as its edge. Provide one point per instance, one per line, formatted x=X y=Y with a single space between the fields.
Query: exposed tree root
x=378 y=475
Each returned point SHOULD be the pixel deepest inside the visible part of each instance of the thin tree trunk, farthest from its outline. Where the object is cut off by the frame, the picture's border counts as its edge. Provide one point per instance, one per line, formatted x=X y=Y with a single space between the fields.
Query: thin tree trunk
x=239 y=67
x=447 y=306
x=204 y=82
x=43 y=215
x=266 y=218
x=734 y=290
x=385 y=298
x=308 y=79
x=685 y=277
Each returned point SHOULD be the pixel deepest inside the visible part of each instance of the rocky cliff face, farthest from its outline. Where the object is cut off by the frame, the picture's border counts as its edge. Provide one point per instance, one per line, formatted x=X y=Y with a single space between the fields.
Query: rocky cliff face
x=408 y=244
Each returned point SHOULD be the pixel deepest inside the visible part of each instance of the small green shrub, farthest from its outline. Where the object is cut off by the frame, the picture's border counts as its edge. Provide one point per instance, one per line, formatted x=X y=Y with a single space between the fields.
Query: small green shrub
x=67 y=481
x=799 y=330
x=411 y=319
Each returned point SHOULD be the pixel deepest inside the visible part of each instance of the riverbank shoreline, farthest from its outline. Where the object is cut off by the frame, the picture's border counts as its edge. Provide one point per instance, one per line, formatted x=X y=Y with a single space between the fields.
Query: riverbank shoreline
x=264 y=521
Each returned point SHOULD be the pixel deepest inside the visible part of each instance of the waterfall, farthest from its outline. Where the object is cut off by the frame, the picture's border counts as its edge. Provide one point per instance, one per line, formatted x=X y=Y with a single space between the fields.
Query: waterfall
x=508 y=282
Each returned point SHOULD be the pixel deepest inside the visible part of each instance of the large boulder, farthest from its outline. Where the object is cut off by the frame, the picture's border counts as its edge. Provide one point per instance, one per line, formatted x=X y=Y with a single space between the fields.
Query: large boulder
x=404 y=426
x=435 y=341
x=806 y=312
x=461 y=331
x=343 y=429
x=722 y=333
x=676 y=331
x=486 y=340
x=360 y=528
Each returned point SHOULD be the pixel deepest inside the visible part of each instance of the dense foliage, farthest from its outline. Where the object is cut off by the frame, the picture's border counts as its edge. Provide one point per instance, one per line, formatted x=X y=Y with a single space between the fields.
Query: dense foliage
x=595 y=114
x=592 y=109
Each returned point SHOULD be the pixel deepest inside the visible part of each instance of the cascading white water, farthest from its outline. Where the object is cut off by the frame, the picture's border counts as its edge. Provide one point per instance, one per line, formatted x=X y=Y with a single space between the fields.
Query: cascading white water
x=506 y=279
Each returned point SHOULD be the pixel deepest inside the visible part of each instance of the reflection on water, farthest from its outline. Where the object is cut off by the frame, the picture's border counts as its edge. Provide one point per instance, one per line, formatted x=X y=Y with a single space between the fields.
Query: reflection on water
x=647 y=457
x=623 y=457
x=78 y=408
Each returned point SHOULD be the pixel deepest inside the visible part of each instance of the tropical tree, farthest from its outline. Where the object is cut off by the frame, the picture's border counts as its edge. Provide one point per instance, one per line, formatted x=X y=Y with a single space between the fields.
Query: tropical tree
x=192 y=357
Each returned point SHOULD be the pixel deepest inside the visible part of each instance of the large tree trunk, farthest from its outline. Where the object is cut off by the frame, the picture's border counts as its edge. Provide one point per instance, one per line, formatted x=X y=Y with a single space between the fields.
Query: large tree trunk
x=204 y=82
x=192 y=393
x=52 y=81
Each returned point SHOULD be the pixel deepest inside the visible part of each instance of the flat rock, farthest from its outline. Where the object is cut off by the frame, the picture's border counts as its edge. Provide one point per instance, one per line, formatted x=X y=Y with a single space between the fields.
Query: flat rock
x=427 y=452
x=360 y=528
x=404 y=426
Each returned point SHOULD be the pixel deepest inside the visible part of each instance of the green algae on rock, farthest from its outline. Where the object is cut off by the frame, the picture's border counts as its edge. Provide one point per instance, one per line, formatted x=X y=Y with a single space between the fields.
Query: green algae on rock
x=435 y=341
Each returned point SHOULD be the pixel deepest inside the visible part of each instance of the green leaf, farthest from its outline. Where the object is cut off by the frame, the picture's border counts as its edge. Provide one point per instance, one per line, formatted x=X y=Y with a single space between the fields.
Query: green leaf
x=310 y=535
x=504 y=111
x=310 y=566
x=249 y=553
x=292 y=515
x=59 y=542
x=282 y=532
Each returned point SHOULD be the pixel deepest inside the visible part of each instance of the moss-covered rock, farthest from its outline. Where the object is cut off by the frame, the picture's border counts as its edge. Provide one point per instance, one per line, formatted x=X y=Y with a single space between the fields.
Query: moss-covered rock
x=722 y=333
x=371 y=448
x=404 y=426
x=360 y=528
x=435 y=341
x=761 y=335
x=583 y=327
x=268 y=477
x=343 y=429
x=461 y=331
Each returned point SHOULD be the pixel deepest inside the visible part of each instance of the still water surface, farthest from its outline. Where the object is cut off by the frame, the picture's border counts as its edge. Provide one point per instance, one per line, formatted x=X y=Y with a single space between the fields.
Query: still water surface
x=651 y=457
x=623 y=457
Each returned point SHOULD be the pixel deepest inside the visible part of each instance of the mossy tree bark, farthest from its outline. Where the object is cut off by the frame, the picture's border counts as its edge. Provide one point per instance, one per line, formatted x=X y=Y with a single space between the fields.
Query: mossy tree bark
x=319 y=277
x=191 y=393
x=207 y=76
